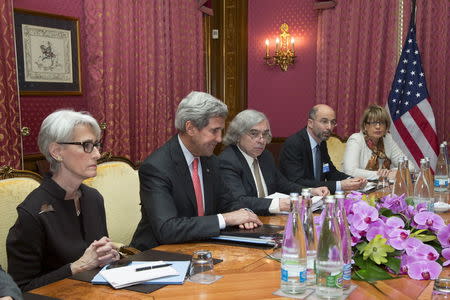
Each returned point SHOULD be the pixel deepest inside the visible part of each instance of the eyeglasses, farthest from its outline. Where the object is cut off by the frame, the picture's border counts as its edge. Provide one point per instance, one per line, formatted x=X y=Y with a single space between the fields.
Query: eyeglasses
x=255 y=134
x=88 y=146
x=373 y=123
x=326 y=122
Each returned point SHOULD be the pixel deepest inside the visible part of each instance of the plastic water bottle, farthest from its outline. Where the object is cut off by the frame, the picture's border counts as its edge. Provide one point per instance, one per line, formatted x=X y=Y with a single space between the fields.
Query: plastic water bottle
x=346 y=239
x=310 y=236
x=441 y=173
x=329 y=263
x=293 y=253
x=422 y=188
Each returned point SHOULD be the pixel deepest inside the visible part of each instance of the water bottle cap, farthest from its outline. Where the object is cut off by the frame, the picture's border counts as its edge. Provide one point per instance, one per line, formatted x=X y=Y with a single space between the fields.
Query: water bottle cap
x=293 y=195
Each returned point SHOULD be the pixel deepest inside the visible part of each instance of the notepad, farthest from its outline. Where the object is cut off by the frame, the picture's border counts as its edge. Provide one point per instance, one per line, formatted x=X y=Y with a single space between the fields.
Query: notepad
x=317 y=201
x=126 y=276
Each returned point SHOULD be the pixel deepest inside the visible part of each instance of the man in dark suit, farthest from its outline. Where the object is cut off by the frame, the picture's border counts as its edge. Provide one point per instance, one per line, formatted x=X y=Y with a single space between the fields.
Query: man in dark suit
x=8 y=288
x=304 y=157
x=183 y=196
x=249 y=169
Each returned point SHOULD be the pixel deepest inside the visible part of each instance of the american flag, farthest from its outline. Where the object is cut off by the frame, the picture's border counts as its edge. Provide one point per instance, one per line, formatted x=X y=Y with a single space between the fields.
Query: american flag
x=409 y=104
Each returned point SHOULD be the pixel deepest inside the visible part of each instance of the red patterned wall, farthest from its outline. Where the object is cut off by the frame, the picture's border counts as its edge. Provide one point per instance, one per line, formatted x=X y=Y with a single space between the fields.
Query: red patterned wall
x=35 y=108
x=285 y=97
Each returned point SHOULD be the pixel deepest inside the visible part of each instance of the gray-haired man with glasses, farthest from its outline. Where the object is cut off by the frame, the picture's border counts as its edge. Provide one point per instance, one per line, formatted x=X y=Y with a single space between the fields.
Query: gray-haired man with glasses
x=305 y=160
x=249 y=169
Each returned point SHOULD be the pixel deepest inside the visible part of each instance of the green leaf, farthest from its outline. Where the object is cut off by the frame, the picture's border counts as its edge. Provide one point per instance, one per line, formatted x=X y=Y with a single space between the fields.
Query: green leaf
x=361 y=246
x=394 y=264
x=386 y=212
x=409 y=201
x=415 y=233
x=425 y=238
x=396 y=253
x=372 y=275
x=360 y=262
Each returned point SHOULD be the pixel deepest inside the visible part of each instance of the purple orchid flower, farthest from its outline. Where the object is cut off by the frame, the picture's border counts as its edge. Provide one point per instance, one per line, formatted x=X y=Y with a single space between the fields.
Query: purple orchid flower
x=397 y=204
x=395 y=223
x=429 y=220
x=356 y=236
x=446 y=255
x=364 y=215
x=424 y=252
x=412 y=244
x=375 y=228
x=397 y=238
x=424 y=270
x=443 y=236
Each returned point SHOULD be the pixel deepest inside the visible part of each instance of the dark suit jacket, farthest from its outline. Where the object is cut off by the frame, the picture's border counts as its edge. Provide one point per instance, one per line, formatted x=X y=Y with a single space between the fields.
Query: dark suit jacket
x=296 y=162
x=8 y=287
x=168 y=203
x=239 y=179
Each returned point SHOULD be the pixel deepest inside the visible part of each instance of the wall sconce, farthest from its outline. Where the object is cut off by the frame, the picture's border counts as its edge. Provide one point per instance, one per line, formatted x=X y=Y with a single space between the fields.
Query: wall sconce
x=284 y=50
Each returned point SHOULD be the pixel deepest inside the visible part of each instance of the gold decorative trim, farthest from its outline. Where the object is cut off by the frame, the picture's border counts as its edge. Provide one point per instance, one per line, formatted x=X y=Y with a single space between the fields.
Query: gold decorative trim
x=108 y=157
x=8 y=172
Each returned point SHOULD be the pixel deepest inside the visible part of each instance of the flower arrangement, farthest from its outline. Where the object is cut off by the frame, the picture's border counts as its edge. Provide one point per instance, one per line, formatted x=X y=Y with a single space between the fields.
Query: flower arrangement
x=392 y=237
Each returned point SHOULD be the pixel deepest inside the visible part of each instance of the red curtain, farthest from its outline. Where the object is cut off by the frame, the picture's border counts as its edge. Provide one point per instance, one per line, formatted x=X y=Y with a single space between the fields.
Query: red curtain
x=358 y=48
x=356 y=58
x=433 y=39
x=10 y=139
x=143 y=58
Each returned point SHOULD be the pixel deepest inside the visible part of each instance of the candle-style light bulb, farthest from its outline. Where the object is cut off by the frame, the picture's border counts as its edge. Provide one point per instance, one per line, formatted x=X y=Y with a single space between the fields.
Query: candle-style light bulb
x=277 y=42
x=267 y=47
x=292 y=45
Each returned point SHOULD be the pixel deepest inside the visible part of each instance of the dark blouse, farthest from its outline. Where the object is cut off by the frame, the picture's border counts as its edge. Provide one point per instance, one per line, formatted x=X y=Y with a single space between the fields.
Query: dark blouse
x=48 y=235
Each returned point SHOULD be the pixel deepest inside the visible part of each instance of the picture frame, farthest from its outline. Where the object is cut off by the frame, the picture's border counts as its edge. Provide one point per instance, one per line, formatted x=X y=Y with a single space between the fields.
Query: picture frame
x=48 y=53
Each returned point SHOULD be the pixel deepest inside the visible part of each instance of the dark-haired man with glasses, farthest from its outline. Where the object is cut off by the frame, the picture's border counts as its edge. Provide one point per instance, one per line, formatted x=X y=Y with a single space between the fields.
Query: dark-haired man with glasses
x=304 y=158
x=249 y=169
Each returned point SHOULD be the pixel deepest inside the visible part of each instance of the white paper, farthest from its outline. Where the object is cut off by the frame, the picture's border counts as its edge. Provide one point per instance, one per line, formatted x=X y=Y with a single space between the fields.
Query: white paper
x=277 y=195
x=126 y=276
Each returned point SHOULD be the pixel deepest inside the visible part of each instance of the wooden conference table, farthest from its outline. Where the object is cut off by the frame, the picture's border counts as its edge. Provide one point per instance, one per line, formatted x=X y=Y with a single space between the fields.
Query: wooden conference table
x=247 y=274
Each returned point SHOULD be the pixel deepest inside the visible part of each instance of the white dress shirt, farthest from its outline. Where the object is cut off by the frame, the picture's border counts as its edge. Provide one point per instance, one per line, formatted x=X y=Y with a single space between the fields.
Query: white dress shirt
x=275 y=204
x=313 y=143
x=189 y=160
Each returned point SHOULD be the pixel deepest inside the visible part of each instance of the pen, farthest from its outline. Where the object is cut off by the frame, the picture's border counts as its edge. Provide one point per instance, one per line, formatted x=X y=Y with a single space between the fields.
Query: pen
x=152 y=267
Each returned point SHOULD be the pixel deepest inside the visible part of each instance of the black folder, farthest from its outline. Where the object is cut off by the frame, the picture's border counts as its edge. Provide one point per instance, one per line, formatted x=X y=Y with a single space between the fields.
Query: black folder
x=148 y=255
x=266 y=235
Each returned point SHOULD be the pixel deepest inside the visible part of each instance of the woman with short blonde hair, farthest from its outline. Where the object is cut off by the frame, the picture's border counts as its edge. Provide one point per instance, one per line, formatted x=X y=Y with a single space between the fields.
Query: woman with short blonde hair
x=372 y=152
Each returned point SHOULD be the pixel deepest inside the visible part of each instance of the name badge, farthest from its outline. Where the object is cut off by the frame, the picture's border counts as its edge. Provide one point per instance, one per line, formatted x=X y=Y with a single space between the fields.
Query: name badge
x=325 y=168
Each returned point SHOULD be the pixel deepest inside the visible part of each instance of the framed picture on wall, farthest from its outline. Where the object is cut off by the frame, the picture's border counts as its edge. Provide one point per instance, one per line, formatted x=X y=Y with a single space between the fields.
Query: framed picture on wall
x=48 y=53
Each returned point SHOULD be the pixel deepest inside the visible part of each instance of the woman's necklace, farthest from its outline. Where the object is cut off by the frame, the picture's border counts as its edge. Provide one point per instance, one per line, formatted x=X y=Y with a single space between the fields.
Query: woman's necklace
x=76 y=200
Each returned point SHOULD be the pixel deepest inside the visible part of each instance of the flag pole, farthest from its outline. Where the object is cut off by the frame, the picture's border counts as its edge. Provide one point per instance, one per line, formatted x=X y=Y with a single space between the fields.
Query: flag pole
x=413 y=13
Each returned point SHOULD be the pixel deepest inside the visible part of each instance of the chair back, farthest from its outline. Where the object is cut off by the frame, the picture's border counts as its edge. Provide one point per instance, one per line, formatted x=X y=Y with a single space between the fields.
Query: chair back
x=336 y=149
x=15 y=185
x=118 y=182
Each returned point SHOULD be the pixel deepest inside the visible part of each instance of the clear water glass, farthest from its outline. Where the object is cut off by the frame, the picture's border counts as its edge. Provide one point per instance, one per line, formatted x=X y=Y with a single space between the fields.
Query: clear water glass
x=202 y=267
x=441 y=289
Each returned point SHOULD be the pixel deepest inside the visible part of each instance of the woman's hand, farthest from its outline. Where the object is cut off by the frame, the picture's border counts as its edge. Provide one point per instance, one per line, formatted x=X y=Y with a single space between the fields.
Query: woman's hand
x=383 y=173
x=98 y=254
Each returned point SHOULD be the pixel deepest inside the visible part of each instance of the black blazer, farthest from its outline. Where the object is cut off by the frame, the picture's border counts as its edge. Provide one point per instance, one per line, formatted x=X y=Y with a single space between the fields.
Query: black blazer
x=296 y=162
x=168 y=203
x=239 y=179
x=48 y=235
